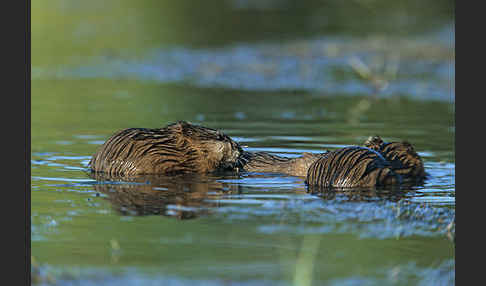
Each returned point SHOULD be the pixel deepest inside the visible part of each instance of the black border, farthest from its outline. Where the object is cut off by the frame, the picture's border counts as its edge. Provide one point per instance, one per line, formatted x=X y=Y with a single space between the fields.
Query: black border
x=28 y=141
x=16 y=116
x=16 y=119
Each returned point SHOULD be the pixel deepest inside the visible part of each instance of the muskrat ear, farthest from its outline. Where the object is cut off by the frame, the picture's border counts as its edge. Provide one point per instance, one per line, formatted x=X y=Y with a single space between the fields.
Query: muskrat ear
x=183 y=124
x=176 y=125
x=373 y=140
x=408 y=145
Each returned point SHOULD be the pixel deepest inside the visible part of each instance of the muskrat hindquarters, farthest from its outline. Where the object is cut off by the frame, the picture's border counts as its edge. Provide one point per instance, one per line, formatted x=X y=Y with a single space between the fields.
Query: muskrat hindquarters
x=403 y=158
x=180 y=147
x=352 y=167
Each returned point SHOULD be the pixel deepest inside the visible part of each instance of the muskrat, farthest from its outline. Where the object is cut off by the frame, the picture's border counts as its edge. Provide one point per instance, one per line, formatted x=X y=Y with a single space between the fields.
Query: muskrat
x=343 y=168
x=403 y=158
x=179 y=147
x=182 y=147
x=351 y=167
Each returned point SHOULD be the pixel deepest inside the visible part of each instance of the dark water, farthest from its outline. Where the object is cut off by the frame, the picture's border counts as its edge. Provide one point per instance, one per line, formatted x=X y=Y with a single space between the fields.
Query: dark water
x=319 y=80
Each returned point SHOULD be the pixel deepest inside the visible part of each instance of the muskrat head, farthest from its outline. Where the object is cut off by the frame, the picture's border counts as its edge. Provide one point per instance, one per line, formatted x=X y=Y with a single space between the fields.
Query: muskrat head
x=230 y=152
x=214 y=149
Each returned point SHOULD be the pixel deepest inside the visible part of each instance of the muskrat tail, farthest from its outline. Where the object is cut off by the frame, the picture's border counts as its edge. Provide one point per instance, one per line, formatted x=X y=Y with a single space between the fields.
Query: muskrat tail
x=263 y=162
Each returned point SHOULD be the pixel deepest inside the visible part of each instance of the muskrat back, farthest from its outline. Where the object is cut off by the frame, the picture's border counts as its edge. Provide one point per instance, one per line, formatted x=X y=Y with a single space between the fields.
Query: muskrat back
x=180 y=147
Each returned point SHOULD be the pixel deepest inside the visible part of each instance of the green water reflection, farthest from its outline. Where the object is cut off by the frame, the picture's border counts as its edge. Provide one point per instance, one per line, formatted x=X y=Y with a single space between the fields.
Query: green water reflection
x=63 y=30
x=80 y=111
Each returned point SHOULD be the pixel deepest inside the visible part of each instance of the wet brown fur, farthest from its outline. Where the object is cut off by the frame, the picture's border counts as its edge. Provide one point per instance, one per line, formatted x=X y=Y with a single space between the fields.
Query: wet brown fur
x=404 y=159
x=266 y=162
x=351 y=167
x=180 y=147
x=343 y=168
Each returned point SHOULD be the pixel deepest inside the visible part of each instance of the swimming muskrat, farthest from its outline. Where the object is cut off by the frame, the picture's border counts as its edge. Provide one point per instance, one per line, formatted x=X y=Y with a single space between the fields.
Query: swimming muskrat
x=180 y=147
x=351 y=167
x=347 y=167
x=404 y=159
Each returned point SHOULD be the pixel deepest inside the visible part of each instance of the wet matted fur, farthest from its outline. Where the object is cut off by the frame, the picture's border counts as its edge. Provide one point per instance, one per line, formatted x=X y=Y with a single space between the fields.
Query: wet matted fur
x=403 y=158
x=351 y=167
x=266 y=162
x=180 y=147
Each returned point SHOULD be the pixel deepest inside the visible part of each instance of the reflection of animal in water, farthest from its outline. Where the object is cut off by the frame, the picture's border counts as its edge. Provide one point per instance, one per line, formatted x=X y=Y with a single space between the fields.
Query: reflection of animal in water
x=403 y=158
x=177 y=148
x=180 y=196
x=351 y=167
x=357 y=194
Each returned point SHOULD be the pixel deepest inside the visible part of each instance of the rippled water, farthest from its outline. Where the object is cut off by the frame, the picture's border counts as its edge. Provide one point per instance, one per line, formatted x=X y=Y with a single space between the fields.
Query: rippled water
x=249 y=228
x=304 y=94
